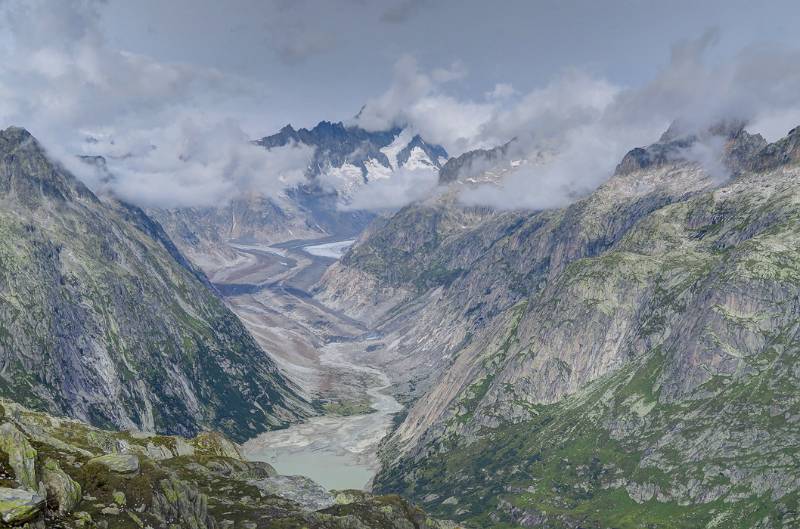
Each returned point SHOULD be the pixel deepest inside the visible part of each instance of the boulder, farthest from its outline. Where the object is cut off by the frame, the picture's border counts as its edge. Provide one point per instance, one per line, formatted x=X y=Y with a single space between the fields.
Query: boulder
x=119 y=463
x=61 y=489
x=18 y=505
x=298 y=489
x=21 y=455
x=216 y=444
x=346 y=497
x=119 y=498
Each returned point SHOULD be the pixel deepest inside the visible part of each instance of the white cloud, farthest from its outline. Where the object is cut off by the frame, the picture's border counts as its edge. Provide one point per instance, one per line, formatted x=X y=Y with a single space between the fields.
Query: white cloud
x=162 y=126
x=586 y=124
x=405 y=186
x=416 y=99
x=193 y=163
x=501 y=91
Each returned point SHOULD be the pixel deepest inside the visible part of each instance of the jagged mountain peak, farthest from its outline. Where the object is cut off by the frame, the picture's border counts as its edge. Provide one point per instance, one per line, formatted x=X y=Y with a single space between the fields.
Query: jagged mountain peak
x=738 y=152
x=324 y=133
x=15 y=134
x=680 y=129
x=435 y=153
x=15 y=138
x=352 y=156
x=782 y=152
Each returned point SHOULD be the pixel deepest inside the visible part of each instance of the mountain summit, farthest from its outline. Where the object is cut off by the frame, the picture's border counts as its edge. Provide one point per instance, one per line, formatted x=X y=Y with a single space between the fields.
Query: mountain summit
x=351 y=156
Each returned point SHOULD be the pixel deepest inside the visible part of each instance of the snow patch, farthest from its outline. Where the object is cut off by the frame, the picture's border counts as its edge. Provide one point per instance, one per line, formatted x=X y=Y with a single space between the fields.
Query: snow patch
x=345 y=179
x=393 y=149
x=417 y=159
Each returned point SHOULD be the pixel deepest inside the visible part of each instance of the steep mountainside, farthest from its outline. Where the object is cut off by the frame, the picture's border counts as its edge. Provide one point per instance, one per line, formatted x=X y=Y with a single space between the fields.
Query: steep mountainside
x=102 y=318
x=60 y=473
x=629 y=361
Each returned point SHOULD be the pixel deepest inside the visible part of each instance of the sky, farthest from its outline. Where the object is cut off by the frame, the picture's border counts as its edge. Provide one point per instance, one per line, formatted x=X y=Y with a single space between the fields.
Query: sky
x=323 y=59
x=172 y=89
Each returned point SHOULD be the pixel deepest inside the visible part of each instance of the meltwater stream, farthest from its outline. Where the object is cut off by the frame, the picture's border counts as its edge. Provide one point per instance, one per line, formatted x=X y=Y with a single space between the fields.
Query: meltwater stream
x=335 y=451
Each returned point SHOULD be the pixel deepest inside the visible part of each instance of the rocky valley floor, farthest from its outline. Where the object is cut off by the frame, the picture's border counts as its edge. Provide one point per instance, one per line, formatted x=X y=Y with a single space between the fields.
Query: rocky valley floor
x=324 y=351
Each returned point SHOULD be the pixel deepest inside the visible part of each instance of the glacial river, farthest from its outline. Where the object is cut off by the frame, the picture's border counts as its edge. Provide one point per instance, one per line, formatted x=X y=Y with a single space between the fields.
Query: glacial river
x=337 y=452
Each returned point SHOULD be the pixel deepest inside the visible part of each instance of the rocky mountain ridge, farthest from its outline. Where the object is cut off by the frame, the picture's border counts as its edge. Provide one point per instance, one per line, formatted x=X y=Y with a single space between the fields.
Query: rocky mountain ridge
x=337 y=145
x=618 y=362
x=474 y=163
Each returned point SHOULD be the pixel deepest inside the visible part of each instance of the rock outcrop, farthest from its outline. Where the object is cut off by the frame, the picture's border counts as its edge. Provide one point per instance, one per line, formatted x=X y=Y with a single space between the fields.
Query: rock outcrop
x=18 y=506
x=86 y=486
x=63 y=492
x=117 y=463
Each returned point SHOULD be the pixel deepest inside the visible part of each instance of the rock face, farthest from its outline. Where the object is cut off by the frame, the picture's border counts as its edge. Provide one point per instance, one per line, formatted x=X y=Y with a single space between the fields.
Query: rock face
x=473 y=163
x=18 y=506
x=216 y=444
x=62 y=490
x=630 y=360
x=103 y=319
x=117 y=463
x=88 y=488
x=299 y=489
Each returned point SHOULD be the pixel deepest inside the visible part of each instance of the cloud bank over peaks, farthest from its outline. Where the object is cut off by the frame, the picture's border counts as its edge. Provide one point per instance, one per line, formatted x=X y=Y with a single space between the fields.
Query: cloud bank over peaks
x=193 y=163
x=585 y=123
x=177 y=134
x=404 y=187
x=168 y=131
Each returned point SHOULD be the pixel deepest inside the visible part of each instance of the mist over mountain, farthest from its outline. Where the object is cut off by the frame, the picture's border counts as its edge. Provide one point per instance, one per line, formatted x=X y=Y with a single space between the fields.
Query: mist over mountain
x=399 y=264
x=106 y=321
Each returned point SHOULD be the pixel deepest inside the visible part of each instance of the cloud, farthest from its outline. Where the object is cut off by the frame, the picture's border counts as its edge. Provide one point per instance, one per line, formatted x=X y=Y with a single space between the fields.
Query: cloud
x=545 y=115
x=578 y=126
x=58 y=69
x=581 y=161
x=416 y=99
x=501 y=91
x=194 y=163
x=294 y=31
x=404 y=186
x=755 y=83
x=163 y=127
